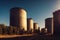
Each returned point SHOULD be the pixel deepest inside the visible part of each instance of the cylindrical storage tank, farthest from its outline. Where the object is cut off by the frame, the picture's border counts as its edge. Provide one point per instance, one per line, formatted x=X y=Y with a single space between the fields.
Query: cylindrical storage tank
x=18 y=17
x=35 y=26
x=56 y=21
x=39 y=28
x=29 y=24
x=23 y=19
x=49 y=25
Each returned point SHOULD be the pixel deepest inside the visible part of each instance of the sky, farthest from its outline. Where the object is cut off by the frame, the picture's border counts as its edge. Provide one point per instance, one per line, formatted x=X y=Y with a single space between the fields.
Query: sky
x=39 y=10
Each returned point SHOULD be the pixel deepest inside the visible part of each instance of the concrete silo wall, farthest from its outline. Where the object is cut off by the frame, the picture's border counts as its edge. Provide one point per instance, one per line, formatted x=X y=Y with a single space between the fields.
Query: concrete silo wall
x=29 y=24
x=35 y=26
x=18 y=18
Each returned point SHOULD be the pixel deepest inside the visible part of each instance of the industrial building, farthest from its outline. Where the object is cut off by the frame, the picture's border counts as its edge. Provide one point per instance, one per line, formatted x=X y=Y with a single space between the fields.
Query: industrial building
x=56 y=22
x=29 y=24
x=18 y=18
x=35 y=28
x=39 y=28
x=49 y=25
x=19 y=23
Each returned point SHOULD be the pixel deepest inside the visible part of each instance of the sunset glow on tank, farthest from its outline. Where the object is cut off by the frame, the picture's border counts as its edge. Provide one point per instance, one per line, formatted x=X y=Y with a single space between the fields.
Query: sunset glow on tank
x=18 y=18
x=35 y=26
x=30 y=24
x=23 y=19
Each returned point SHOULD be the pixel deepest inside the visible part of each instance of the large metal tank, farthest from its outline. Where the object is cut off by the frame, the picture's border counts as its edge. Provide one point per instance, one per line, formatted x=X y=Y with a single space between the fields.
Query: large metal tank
x=29 y=24
x=49 y=25
x=35 y=26
x=56 y=21
x=18 y=17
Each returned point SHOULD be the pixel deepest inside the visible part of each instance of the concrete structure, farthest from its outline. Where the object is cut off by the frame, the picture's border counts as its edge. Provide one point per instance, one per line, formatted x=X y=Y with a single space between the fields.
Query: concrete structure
x=38 y=28
x=30 y=24
x=18 y=18
x=35 y=26
x=56 y=21
x=49 y=25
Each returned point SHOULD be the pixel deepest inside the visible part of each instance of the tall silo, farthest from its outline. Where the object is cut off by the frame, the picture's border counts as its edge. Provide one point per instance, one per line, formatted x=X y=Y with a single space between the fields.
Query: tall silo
x=56 y=21
x=35 y=26
x=38 y=28
x=49 y=25
x=29 y=24
x=18 y=17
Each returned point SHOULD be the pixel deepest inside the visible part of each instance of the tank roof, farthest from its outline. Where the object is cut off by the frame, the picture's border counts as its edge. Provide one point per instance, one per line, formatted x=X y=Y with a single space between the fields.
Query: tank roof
x=29 y=18
x=48 y=18
x=17 y=8
x=35 y=23
x=58 y=11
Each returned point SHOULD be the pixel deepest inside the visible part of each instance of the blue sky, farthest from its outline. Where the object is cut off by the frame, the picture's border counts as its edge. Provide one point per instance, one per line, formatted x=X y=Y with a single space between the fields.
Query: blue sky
x=39 y=10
